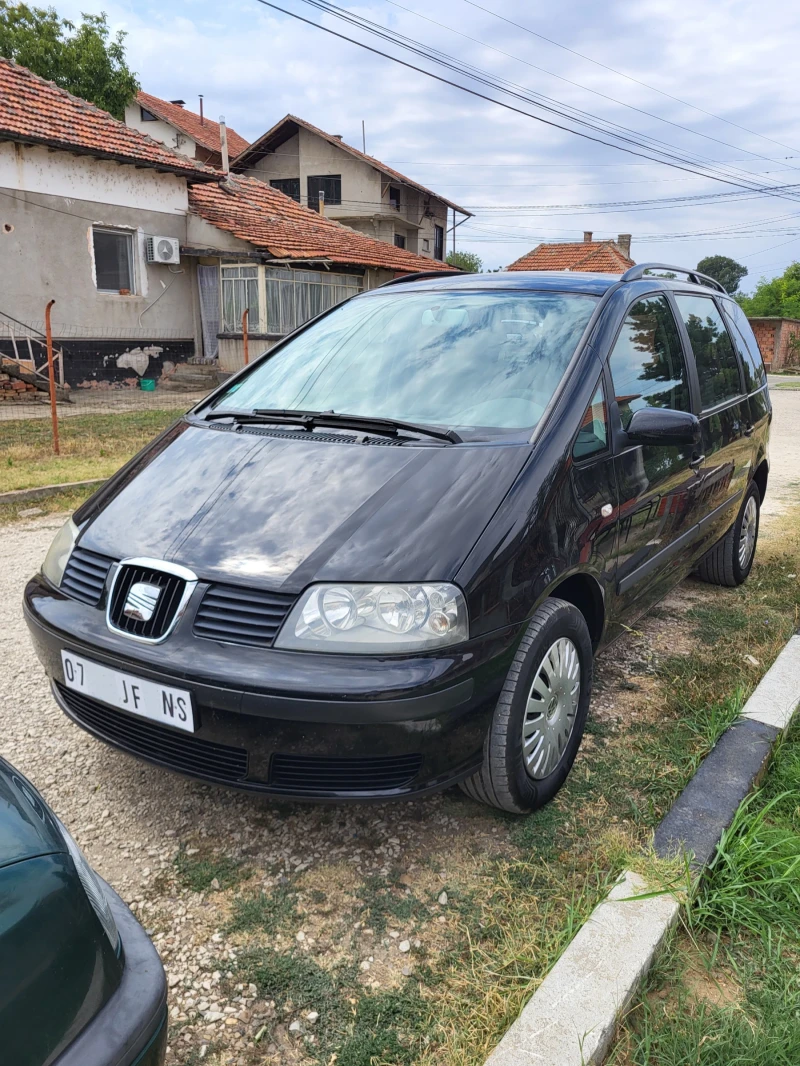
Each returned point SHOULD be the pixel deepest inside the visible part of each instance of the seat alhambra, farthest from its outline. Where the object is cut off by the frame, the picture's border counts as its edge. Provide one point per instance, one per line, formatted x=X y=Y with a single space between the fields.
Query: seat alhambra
x=379 y=560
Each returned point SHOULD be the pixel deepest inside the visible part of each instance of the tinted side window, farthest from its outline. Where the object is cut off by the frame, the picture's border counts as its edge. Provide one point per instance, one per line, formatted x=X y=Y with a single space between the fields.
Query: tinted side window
x=647 y=363
x=717 y=365
x=593 y=434
x=755 y=376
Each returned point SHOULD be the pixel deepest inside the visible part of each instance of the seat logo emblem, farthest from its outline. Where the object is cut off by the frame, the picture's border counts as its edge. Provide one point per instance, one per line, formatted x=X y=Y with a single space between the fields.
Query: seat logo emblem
x=141 y=601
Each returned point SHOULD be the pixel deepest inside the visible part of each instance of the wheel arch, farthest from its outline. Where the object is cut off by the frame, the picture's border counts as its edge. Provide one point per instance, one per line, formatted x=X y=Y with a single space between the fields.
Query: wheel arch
x=583 y=591
x=760 y=477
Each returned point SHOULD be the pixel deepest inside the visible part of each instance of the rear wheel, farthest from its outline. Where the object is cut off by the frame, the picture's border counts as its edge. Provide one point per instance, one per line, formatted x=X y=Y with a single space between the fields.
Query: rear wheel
x=730 y=560
x=540 y=716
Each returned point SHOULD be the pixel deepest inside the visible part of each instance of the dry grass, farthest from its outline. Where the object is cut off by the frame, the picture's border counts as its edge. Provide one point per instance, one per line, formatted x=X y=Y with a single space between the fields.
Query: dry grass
x=92 y=446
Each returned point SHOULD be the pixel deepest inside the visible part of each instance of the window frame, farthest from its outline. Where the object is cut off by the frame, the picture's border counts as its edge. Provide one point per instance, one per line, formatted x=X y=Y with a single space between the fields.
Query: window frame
x=399 y=240
x=394 y=201
x=699 y=410
x=602 y=384
x=146 y=115
x=733 y=327
x=276 y=183
x=265 y=328
x=437 y=229
x=130 y=235
x=313 y=201
x=619 y=435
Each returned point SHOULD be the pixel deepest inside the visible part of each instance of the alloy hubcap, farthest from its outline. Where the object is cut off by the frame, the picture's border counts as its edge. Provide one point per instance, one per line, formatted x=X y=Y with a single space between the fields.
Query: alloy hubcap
x=747 y=537
x=551 y=709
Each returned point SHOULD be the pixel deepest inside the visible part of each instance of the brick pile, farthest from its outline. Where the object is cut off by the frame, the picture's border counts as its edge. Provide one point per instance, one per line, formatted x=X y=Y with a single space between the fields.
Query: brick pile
x=14 y=390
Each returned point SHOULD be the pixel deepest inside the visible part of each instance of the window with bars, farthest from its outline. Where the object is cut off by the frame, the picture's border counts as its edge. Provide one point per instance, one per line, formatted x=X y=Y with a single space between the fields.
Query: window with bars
x=280 y=299
x=240 y=290
x=295 y=296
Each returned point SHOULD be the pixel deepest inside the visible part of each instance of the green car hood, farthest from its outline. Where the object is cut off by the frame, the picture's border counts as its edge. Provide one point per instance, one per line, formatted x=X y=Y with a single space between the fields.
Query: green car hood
x=27 y=828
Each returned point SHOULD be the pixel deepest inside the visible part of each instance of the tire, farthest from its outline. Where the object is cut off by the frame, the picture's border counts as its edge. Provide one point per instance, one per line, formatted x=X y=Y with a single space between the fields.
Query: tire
x=521 y=780
x=729 y=562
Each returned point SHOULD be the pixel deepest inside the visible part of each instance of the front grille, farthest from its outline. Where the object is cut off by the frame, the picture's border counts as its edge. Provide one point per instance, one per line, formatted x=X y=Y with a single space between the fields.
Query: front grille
x=85 y=576
x=172 y=590
x=178 y=751
x=312 y=773
x=242 y=616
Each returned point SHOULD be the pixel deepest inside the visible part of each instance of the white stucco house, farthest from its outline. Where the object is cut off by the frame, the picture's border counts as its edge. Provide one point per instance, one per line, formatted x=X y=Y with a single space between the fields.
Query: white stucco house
x=145 y=269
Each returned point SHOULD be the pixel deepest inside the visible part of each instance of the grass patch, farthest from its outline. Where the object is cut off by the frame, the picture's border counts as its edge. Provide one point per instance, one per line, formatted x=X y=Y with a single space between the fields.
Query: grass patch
x=264 y=911
x=92 y=446
x=743 y=925
x=197 y=872
x=382 y=900
x=62 y=502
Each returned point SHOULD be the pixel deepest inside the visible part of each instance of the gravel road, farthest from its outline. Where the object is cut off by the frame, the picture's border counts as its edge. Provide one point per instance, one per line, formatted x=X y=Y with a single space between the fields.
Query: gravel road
x=132 y=819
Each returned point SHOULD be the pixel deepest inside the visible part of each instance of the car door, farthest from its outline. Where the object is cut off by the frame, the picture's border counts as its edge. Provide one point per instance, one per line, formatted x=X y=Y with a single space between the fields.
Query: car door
x=656 y=484
x=724 y=416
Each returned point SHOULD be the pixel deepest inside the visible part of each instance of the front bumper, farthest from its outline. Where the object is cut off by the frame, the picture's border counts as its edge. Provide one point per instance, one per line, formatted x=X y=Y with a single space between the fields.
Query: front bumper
x=131 y=1028
x=296 y=725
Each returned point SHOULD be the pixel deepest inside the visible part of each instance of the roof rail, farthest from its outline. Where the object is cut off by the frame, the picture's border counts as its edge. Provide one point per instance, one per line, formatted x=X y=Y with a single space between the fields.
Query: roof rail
x=421 y=275
x=636 y=273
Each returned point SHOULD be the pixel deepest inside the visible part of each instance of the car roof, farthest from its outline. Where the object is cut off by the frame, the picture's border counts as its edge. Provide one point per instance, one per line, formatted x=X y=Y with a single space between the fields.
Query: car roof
x=544 y=280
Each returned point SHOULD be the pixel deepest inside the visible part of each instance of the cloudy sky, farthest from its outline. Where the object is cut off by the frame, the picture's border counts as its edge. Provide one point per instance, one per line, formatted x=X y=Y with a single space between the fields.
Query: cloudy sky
x=721 y=91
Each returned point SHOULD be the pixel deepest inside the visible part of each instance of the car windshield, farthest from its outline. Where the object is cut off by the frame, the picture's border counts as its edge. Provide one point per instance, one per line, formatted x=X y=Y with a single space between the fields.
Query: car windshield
x=460 y=360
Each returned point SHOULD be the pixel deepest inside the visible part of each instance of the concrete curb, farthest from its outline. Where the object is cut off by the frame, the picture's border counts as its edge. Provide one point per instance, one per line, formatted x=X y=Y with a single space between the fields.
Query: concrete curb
x=22 y=495
x=572 y=1017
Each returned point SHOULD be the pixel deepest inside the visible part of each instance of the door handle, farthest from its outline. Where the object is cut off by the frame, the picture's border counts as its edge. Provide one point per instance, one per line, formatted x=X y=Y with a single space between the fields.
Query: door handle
x=696 y=461
x=748 y=430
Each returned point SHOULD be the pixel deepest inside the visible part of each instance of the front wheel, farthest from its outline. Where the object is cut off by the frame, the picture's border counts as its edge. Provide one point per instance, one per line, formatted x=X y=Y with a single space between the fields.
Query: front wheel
x=730 y=560
x=540 y=716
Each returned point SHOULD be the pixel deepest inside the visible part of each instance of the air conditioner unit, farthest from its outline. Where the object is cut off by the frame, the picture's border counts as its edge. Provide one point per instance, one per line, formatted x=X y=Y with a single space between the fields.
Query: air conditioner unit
x=163 y=250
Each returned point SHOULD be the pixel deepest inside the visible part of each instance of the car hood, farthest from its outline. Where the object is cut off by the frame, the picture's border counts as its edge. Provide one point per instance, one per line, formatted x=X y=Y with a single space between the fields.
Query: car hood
x=27 y=826
x=279 y=512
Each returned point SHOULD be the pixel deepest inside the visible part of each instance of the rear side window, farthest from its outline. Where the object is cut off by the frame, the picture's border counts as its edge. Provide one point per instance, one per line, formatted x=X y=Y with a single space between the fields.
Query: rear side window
x=755 y=376
x=593 y=434
x=647 y=362
x=717 y=365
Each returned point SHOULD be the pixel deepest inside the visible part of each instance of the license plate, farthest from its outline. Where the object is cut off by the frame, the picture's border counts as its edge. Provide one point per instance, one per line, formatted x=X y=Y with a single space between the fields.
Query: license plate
x=159 y=703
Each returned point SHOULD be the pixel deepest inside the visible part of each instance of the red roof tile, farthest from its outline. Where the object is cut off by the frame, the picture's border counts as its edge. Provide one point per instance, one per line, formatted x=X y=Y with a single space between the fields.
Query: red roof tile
x=260 y=147
x=602 y=257
x=205 y=133
x=254 y=212
x=35 y=111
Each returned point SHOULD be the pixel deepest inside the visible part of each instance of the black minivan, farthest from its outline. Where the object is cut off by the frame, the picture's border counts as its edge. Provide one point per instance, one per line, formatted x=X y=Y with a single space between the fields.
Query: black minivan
x=378 y=561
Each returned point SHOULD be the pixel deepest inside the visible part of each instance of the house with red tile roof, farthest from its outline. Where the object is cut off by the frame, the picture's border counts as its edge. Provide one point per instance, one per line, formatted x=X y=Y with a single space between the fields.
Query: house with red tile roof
x=323 y=172
x=146 y=271
x=184 y=131
x=588 y=255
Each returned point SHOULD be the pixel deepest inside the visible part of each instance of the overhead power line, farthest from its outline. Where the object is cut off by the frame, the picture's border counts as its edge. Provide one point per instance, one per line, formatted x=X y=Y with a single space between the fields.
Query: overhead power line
x=628 y=77
x=569 y=81
x=670 y=156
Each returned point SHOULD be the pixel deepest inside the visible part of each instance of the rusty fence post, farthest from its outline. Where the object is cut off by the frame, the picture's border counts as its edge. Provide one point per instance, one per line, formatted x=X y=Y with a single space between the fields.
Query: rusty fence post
x=52 y=376
x=245 y=313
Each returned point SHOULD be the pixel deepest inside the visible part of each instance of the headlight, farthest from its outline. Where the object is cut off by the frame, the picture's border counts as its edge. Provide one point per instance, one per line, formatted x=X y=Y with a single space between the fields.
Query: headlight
x=93 y=887
x=376 y=618
x=59 y=552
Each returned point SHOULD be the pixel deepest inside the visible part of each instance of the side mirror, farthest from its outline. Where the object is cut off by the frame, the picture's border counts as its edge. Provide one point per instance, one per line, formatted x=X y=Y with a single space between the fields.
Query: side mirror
x=661 y=426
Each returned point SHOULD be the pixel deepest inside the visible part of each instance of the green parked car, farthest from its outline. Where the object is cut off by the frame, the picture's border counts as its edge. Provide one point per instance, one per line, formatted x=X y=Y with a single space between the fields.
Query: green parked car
x=80 y=982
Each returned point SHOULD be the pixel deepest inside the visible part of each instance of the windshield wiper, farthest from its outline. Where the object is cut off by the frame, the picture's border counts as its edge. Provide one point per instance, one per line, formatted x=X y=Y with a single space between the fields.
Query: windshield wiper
x=309 y=419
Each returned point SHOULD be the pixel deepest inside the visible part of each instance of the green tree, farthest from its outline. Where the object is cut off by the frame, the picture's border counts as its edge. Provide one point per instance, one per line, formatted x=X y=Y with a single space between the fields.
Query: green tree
x=84 y=60
x=467 y=261
x=724 y=270
x=779 y=297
